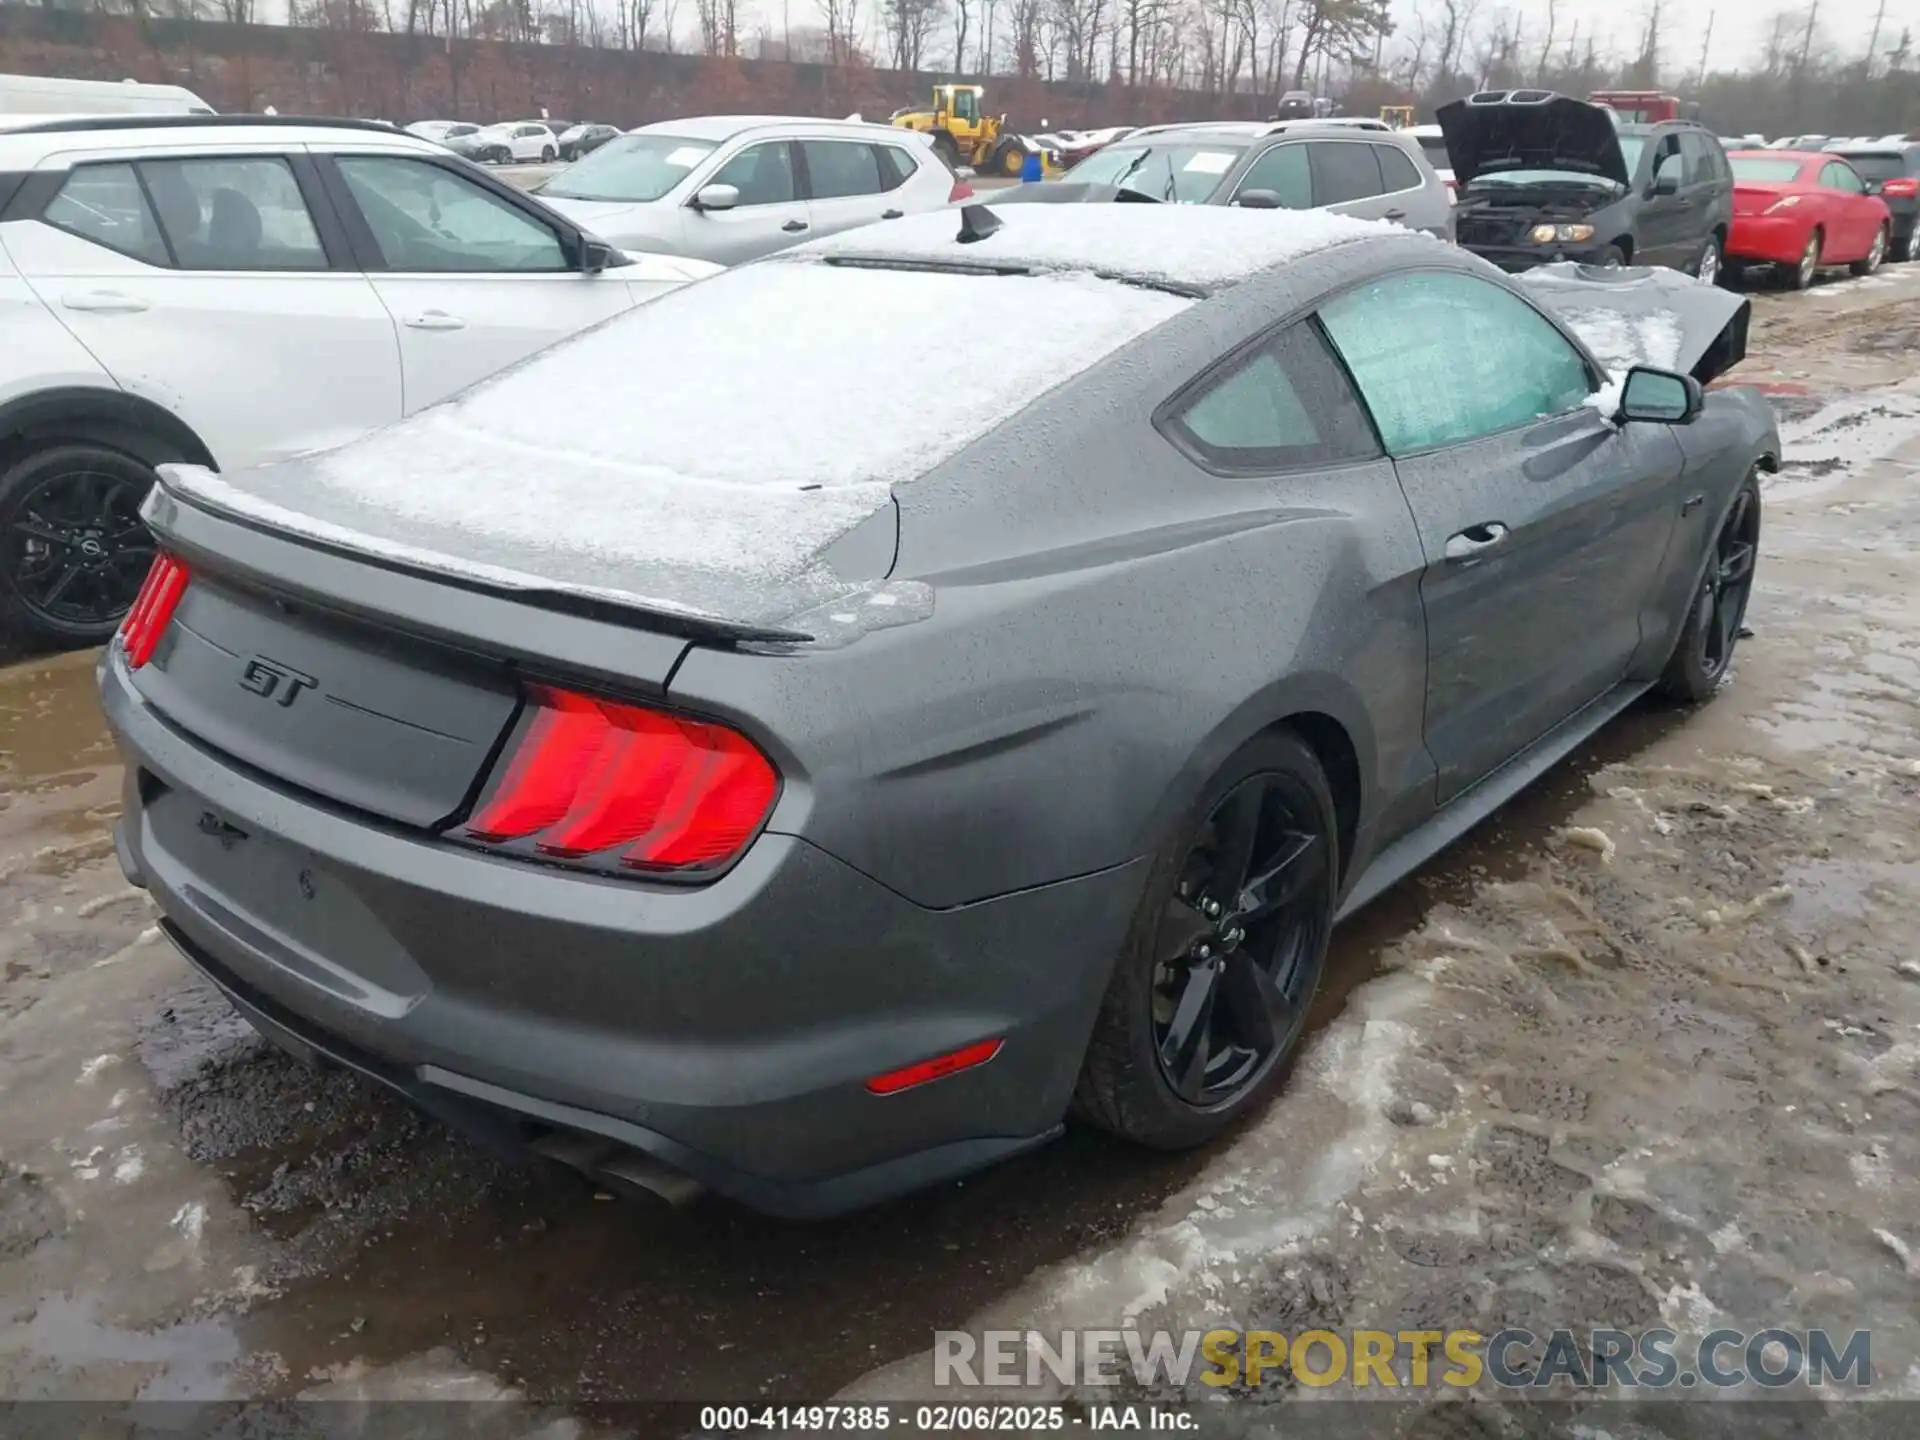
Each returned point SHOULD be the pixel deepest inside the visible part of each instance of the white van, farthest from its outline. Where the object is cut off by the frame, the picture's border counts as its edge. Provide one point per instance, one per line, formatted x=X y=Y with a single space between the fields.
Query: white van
x=25 y=99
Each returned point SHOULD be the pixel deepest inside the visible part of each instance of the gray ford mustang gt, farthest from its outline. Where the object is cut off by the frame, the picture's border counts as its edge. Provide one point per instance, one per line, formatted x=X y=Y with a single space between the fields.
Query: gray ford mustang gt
x=808 y=736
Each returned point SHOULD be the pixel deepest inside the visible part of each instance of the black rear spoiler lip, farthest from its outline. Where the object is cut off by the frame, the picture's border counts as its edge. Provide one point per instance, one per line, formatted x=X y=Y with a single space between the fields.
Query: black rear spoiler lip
x=192 y=525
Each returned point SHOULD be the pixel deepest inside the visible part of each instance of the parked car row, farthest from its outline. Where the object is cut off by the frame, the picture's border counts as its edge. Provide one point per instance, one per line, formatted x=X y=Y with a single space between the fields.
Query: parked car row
x=173 y=283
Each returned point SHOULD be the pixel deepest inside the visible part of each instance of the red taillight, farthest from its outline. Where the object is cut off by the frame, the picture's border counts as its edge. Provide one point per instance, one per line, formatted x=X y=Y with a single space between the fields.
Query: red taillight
x=592 y=779
x=1904 y=189
x=152 y=609
x=908 y=1076
x=961 y=191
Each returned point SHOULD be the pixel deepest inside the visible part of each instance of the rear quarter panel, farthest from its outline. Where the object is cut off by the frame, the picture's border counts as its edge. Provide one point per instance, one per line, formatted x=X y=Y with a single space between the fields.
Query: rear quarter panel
x=1110 y=622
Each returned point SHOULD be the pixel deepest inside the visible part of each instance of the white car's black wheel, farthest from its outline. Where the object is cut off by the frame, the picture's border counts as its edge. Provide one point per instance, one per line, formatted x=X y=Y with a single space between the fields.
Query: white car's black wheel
x=73 y=549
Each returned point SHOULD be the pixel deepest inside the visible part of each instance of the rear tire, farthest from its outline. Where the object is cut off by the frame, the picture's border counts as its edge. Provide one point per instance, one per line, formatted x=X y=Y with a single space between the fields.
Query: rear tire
x=1802 y=275
x=1242 y=977
x=73 y=551
x=1703 y=655
x=1881 y=244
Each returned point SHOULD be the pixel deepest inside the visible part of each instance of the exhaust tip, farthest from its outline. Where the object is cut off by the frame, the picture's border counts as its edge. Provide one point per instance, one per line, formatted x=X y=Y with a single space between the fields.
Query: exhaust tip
x=620 y=1168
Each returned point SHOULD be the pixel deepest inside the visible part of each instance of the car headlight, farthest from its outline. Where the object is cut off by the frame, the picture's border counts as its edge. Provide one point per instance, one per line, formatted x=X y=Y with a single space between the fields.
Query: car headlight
x=1560 y=234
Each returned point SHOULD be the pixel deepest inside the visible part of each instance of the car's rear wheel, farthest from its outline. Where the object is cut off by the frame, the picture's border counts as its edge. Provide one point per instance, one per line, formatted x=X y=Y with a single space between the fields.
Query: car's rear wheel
x=1707 y=268
x=1703 y=657
x=1210 y=993
x=1808 y=267
x=1912 y=249
x=1875 y=254
x=73 y=549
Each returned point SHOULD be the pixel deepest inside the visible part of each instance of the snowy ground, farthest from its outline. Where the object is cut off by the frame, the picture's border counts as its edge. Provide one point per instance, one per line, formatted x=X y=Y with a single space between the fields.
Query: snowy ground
x=1642 y=1049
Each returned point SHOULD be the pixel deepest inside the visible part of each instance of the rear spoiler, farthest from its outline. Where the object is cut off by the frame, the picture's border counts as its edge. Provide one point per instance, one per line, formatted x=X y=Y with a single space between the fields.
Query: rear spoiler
x=187 y=496
x=1711 y=323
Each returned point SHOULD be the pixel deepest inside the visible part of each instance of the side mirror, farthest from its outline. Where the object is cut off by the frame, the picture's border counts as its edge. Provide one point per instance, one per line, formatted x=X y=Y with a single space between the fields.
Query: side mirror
x=1659 y=397
x=1874 y=187
x=595 y=255
x=716 y=197
x=1258 y=199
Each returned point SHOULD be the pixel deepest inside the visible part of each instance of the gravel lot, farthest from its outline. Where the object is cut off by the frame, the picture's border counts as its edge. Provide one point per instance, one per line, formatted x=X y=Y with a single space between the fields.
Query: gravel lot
x=1644 y=1047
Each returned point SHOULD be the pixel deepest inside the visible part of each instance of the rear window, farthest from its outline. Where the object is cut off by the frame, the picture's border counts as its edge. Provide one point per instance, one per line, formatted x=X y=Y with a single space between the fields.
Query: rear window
x=1883 y=166
x=631 y=168
x=1183 y=174
x=1434 y=147
x=1764 y=172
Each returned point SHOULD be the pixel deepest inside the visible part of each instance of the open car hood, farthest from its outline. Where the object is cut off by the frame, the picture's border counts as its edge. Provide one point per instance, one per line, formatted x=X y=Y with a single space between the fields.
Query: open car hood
x=1636 y=316
x=1530 y=130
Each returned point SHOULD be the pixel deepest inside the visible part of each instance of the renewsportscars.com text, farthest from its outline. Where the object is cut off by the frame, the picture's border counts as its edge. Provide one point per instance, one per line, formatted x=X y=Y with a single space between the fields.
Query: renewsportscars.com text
x=1654 y=1359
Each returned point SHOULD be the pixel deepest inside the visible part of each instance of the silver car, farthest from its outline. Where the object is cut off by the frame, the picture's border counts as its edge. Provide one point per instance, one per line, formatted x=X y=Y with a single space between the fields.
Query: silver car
x=729 y=188
x=1357 y=168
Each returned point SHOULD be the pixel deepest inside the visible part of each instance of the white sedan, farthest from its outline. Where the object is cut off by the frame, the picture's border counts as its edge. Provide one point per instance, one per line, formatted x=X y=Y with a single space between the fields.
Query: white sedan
x=233 y=291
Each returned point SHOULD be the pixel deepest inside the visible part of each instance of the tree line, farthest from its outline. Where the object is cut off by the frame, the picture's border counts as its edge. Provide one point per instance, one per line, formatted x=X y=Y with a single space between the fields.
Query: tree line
x=1249 y=51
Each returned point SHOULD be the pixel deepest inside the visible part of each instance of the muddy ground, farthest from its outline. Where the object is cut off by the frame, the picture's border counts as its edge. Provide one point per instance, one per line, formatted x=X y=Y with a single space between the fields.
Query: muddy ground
x=1644 y=1047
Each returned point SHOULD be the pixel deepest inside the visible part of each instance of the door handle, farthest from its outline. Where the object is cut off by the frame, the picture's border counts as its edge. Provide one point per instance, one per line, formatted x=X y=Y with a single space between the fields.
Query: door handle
x=1475 y=539
x=891 y=214
x=1692 y=503
x=104 y=302
x=1395 y=215
x=434 y=320
x=794 y=227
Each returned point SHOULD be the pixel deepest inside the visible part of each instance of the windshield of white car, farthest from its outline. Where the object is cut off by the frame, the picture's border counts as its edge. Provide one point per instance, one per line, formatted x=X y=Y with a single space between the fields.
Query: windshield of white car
x=1182 y=173
x=630 y=168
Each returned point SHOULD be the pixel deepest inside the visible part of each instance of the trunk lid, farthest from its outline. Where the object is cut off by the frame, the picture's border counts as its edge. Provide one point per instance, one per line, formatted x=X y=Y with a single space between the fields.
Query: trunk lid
x=1662 y=318
x=1750 y=198
x=361 y=683
x=1498 y=130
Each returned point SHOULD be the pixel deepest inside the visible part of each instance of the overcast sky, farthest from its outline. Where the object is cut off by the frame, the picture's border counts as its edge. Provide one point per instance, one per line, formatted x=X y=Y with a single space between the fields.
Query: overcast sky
x=1740 y=27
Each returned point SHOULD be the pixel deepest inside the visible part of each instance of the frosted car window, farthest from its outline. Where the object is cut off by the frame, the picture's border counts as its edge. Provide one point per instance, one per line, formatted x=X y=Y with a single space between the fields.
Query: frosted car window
x=428 y=220
x=105 y=204
x=1283 y=170
x=763 y=174
x=1285 y=406
x=234 y=214
x=1442 y=358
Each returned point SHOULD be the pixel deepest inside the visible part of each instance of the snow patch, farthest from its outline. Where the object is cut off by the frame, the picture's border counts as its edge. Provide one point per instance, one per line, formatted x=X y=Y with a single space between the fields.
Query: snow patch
x=1847 y=433
x=700 y=453
x=94 y=1066
x=1202 y=245
x=1620 y=341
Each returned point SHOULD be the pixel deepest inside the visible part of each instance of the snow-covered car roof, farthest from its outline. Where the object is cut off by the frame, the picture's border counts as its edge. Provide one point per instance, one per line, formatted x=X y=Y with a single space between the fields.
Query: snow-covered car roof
x=1200 y=247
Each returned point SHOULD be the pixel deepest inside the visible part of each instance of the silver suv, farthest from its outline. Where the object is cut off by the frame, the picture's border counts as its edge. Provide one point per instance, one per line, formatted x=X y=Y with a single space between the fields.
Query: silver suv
x=729 y=188
x=1357 y=168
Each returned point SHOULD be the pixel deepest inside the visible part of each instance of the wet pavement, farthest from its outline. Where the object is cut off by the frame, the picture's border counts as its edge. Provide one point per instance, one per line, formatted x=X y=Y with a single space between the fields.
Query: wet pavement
x=1641 y=1046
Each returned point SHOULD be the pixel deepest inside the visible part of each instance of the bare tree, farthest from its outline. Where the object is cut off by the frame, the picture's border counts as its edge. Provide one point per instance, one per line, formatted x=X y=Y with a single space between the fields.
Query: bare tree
x=909 y=24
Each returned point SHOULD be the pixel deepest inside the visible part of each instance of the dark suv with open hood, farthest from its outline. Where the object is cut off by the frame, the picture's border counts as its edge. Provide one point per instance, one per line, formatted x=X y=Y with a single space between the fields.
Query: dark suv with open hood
x=1543 y=177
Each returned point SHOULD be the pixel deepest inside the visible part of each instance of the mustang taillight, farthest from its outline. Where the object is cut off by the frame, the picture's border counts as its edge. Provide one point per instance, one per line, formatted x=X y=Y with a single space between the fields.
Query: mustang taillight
x=601 y=783
x=152 y=609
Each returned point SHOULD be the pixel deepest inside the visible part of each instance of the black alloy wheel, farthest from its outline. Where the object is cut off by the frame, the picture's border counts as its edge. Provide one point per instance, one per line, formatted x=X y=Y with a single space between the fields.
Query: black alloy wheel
x=1723 y=599
x=73 y=549
x=1209 y=994
x=1703 y=657
x=1239 y=946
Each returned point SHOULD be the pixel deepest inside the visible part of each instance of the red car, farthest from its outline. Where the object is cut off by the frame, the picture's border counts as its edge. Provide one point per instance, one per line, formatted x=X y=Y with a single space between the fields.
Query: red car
x=1802 y=212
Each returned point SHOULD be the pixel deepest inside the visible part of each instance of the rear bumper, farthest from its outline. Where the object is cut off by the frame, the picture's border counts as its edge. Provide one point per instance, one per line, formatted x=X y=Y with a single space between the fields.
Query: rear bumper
x=1768 y=239
x=726 y=1031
